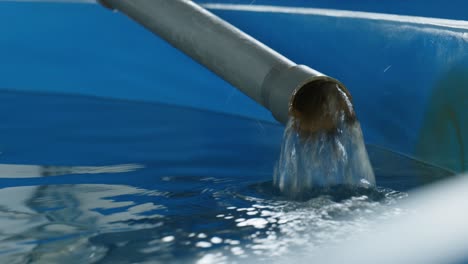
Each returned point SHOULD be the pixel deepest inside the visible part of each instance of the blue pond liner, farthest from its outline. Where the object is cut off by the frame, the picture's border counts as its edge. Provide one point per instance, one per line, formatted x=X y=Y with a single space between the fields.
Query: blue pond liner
x=403 y=75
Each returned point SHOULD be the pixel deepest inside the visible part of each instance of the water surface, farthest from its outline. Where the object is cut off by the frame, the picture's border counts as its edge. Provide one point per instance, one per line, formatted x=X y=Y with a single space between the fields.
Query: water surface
x=88 y=180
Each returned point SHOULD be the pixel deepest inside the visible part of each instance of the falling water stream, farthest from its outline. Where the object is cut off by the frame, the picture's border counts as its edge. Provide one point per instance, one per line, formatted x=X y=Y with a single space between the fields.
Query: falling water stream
x=324 y=160
x=326 y=157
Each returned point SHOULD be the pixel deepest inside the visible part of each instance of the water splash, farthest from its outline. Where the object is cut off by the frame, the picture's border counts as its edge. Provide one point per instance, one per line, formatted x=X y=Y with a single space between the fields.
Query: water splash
x=324 y=159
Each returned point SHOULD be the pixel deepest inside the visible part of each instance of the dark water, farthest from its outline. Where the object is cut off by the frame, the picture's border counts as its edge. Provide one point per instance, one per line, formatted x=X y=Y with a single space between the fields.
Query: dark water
x=86 y=180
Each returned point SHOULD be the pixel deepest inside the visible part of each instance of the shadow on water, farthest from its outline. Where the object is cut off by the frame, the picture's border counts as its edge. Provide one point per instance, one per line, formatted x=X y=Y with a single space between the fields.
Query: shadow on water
x=336 y=193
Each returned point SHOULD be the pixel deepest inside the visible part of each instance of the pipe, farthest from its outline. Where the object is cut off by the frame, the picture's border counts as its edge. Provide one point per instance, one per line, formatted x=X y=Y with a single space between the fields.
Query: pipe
x=264 y=75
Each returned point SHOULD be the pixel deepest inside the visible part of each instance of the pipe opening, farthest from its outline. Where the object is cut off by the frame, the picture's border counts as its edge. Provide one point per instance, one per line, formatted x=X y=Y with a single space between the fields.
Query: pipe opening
x=321 y=105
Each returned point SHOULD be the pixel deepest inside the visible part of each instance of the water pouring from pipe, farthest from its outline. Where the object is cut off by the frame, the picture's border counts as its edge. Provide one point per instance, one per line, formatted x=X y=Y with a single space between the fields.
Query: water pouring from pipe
x=323 y=143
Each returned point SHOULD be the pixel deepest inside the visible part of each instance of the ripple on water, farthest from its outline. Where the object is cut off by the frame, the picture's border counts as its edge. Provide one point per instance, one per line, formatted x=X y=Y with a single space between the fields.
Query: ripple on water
x=281 y=226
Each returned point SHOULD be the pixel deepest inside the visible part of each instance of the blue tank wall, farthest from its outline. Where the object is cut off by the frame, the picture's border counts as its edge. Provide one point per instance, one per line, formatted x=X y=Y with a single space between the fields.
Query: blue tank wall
x=453 y=9
x=408 y=80
x=86 y=49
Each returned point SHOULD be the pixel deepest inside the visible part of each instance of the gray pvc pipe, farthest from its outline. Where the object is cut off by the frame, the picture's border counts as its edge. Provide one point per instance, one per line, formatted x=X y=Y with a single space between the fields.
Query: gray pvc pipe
x=260 y=72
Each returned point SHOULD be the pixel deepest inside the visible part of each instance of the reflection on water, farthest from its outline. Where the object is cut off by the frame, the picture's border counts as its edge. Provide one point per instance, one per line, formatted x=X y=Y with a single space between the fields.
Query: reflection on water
x=179 y=195
x=53 y=223
x=32 y=171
